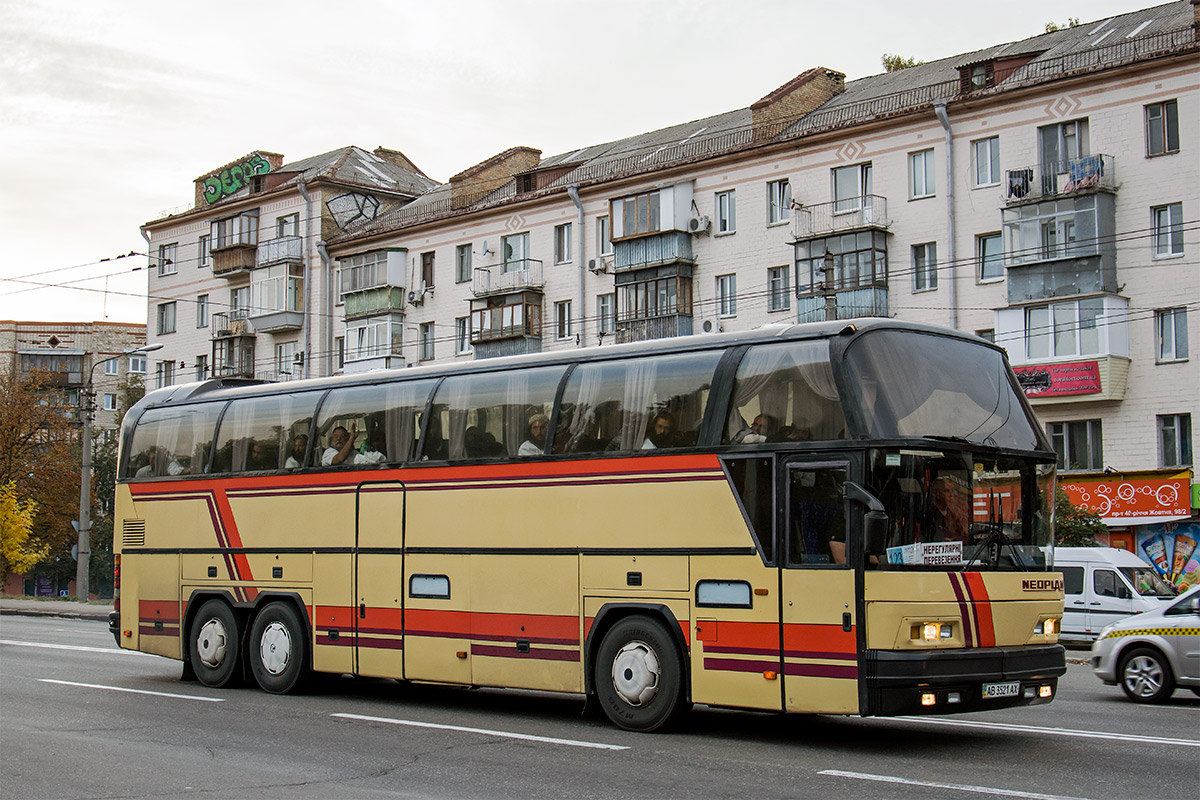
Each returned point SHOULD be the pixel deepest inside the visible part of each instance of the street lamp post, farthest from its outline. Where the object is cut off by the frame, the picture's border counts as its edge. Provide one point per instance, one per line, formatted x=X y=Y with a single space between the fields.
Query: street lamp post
x=86 y=410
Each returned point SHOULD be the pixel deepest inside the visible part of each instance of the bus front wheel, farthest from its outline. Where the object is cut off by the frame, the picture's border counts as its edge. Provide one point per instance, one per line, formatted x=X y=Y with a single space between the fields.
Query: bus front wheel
x=639 y=675
x=278 y=649
x=214 y=644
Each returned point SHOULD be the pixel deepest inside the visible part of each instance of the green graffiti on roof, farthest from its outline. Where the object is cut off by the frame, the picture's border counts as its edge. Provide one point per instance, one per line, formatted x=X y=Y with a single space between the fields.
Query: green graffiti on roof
x=229 y=180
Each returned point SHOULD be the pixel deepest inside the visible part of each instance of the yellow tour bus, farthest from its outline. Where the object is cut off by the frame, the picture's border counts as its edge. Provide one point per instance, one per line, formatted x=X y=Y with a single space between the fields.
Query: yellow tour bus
x=834 y=518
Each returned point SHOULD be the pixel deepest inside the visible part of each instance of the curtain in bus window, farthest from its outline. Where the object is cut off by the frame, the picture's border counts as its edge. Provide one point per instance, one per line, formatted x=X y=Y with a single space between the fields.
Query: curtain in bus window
x=516 y=413
x=637 y=405
x=458 y=392
x=258 y=433
x=581 y=402
x=787 y=393
x=383 y=417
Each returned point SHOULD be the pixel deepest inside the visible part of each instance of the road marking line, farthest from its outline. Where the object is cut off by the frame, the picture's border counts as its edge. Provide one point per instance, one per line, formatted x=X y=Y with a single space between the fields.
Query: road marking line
x=1004 y=726
x=135 y=691
x=961 y=787
x=81 y=648
x=484 y=731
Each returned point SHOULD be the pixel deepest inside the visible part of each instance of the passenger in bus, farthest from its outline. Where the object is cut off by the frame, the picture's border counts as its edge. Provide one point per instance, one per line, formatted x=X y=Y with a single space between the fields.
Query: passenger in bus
x=479 y=443
x=661 y=432
x=949 y=515
x=792 y=433
x=254 y=458
x=436 y=447
x=341 y=444
x=535 y=445
x=374 y=450
x=299 y=448
x=762 y=429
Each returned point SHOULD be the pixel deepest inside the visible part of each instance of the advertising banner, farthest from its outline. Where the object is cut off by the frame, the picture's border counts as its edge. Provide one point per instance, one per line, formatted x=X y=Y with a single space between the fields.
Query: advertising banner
x=1059 y=380
x=1132 y=498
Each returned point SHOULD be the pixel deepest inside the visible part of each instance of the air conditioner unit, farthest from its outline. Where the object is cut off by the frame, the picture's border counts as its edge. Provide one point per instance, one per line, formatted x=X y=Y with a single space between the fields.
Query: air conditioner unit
x=599 y=265
x=416 y=298
x=711 y=325
x=699 y=224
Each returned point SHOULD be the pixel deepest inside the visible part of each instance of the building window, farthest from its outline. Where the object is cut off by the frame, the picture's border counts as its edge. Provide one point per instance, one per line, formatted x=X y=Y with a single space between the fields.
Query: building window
x=363 y=271
x=164 y=374
x=779 y=201
x=239 y=301
x=1172 y=334
x=606 y=313
x=462 y=263
x=288 y=225
x=850 y=186
x=110 y=402
x=779 y=289
x=1064 y=330
x=166 y=317
x=859 y=261
x=1078 y=445
x=924 y=265
x=137 y=364
x=204 y=252
x=339 y=348
x=462 y=335
x=639 y=215
x=989 y=252
x=166 y=259
x=920 y=173
x=727 y=295
x=285 y=361
x=562 y=243
x=604 y=244
x=515 y=252
x=201 y=367
x=562 y=314
x=726 y=208
x=1175 y=440
x=202 y=311
x=657 y=297
x=987 y=161
x=1054 y=229
x=987 y=334
x=277 y=288
x=1162 y=128
x=1168 y=230
x=112 y=366
x=425 y=333
x=427 y=269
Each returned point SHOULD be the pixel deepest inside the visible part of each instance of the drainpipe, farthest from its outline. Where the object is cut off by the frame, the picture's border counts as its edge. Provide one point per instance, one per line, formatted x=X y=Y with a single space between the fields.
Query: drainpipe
x=573 y=193
x=940 y=110
x=308 y=290
x=327 y=267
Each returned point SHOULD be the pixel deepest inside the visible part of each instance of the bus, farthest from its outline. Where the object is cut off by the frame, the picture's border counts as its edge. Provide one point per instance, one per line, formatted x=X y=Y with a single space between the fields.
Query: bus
x=849 y=518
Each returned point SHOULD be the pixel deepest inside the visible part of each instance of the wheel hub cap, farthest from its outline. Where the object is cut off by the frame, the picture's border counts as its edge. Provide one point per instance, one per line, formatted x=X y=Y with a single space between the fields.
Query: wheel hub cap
x=1143 y=676
x=635 y=673
x=212 y=643
x=275 y=648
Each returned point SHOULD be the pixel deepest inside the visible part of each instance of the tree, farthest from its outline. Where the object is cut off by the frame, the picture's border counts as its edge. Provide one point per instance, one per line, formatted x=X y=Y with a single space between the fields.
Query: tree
x=891 y=62
x=1074 y=526
x=17 y=553
x=1072 y=22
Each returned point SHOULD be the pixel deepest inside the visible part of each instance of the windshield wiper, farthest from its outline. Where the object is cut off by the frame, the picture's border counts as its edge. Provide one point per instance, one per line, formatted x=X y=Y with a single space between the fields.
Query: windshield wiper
x=993 y=543
x=955 y=439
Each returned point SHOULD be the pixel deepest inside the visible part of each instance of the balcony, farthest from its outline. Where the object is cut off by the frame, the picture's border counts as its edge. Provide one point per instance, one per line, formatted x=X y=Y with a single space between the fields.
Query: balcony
x=644 y=329
x=510 y=276
x=869 y=301
x=283 y=250
x=1060 y=178
x=373 y=302
x=233 y=356
x=233 y=261
x=232 y=324
x=840 y=216
x=671 y=247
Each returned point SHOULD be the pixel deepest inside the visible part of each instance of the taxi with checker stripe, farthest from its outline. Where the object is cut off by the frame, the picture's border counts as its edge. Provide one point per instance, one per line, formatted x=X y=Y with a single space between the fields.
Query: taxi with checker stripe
x=1151 y=654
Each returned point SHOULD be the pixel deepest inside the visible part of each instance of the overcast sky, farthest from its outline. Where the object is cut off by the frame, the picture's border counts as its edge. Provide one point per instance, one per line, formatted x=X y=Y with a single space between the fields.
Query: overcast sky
x=109 y=110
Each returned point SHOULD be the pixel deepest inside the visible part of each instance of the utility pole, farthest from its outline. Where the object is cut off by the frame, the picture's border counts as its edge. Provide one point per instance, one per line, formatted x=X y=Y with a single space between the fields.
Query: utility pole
x=827 y=290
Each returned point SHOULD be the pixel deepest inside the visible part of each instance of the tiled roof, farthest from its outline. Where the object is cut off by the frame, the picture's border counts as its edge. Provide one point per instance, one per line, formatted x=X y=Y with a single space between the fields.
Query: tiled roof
x=355 y=165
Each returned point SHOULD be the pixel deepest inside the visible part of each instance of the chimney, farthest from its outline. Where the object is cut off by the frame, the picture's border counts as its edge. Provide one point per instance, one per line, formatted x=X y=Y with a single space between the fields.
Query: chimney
x=798 y=97
x=397 y=159
x=472 y=185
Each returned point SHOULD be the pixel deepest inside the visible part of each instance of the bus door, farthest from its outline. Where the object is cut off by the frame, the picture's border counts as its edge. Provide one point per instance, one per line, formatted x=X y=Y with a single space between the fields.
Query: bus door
x=379 y=579
x=820 y=650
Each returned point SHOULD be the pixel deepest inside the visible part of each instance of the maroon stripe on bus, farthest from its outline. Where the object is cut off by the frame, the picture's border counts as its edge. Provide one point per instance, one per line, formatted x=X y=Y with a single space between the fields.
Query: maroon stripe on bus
x=149 y=630
x=821 y=671
x=538 y=653
x=741 y=651
x=343 y=640
x=737 y=665
x=386 y=644
x=820 y=654
x=964 y=608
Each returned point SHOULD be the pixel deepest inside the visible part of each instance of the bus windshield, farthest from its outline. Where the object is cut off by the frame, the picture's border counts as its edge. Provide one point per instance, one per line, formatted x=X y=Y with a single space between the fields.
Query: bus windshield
x=910 y=384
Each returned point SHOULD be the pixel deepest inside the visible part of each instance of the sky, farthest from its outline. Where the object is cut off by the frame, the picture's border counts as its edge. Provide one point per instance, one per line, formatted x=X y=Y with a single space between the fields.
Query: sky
x=109 y=109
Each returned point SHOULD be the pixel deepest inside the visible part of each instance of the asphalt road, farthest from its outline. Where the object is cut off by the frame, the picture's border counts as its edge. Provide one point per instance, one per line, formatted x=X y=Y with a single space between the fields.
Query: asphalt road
x=80 y=719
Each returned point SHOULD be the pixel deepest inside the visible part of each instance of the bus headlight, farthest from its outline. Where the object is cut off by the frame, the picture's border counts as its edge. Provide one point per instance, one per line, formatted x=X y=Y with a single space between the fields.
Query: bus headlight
x=932 y=631
x=1046 y=627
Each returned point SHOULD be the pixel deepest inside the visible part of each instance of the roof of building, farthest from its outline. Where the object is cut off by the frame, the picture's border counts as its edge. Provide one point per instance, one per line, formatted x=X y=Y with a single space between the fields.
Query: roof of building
x=354 y=165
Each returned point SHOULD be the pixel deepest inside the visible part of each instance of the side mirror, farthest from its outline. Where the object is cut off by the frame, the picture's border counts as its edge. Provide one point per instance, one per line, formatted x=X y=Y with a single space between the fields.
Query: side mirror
x=1123 y=592
x=875 y=521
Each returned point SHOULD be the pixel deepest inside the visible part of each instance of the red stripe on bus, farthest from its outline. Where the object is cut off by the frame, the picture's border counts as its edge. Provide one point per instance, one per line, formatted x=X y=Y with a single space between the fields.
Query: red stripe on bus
x=821 y=654
x=826 y=638
x=341 y=641
x=821 y=671
x=164 y=611
x=537 y=653
x=983 y=608
x=964 y=608
x=746 y=635
x=741 y=651
x=232 y=536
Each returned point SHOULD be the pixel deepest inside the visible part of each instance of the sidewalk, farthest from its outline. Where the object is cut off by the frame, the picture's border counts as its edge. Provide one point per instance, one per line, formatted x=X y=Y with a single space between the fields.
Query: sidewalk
x=55 y=608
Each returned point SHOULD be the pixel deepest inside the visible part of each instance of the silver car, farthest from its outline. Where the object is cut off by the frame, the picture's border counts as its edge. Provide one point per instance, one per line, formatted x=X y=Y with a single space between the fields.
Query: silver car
x=1150 y=654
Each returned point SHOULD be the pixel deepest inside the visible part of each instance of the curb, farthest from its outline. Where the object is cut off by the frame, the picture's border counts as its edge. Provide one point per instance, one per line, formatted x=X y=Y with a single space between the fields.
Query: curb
x=91 y=616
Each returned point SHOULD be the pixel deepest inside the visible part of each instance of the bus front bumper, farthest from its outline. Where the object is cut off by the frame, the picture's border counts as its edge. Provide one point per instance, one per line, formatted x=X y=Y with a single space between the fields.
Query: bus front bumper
x=957 y=681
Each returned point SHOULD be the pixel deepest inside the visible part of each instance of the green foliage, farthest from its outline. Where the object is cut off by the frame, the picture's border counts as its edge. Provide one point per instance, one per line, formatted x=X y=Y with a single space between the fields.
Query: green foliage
x=1072 y=22
x=892 y=62
x=1074 y=526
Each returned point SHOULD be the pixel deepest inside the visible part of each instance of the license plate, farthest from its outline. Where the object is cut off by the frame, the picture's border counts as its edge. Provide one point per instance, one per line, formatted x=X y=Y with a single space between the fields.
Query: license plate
x=1010 y=689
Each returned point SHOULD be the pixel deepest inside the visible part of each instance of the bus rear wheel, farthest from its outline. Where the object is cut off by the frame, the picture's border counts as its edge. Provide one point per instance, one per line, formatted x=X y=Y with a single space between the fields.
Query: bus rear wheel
x=214 y=642
x=278 y=649
x=639 y=675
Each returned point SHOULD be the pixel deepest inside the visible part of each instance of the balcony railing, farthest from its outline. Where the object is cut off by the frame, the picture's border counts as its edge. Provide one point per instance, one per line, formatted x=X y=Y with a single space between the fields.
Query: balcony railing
x=528 y=327
x=373 y=302
x=860 y=302
x=511 y=276
x=1041 y=181
x=232 y=262
x=669 y=247
x=232 y=323
x=854 y=213
x=285 y=249
x=645 y=329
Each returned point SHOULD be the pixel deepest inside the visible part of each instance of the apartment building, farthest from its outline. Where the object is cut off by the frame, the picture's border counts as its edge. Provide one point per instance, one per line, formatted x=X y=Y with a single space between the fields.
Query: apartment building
x=1040 y=193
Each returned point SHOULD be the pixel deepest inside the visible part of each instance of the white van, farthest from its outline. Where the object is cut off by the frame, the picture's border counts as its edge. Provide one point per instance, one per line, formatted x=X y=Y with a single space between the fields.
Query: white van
x=1103 y=585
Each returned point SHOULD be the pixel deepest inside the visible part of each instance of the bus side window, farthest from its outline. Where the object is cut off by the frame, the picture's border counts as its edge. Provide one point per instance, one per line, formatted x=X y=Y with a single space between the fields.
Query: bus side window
x=256 y=432
x=817 y=516
x=172 y=441
x=493 y=415
x=383 y=419
x=785 y=393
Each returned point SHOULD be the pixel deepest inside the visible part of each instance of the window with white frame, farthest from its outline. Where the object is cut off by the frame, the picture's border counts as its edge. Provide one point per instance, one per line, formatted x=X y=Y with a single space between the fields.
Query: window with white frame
x=1064 y=330
x=1168 y=229
x=201 y=367
x=164 y=374
x=204 y=251
x=427 y=260
x=1078 y=445
x=851 y=185
x=1064 y=228
x=362 y=271
x=372 y=338
x=166 y=259
x=920 y=174
x=987 y=161
x=562 y=316
x=235 y=231
x=110 y=401
x=924 y=266
x=987 y=334
x=1175 y=440
x=288 y=225
x=137 y=364
x=285 y=362
x=277 y=288
x=989 y=253
x=779 y=201
x=462 y=335
x=425 y=341
x=112 y=366
x=1162 y=128
x=779 y=295
x=726 y=211
x=166 y=317
x=727 y=295
x=514 y=250
x=606 y=313
x=1170 y=328
x=337 y=281
x=562 y=243
x=202 y=311
x=462 y=263
x=604 y=244
x=239 y=301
